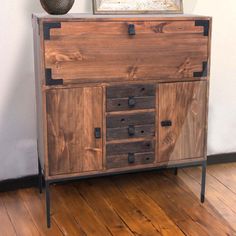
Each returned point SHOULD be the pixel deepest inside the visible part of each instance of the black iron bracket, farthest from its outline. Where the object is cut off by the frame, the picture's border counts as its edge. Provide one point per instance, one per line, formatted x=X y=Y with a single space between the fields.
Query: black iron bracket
x=205 y=24
x=46 y=28
x=204 y=71
x=49 y=80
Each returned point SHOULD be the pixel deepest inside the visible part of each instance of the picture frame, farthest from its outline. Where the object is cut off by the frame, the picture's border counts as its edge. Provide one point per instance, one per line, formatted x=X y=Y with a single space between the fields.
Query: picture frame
x=111 y=7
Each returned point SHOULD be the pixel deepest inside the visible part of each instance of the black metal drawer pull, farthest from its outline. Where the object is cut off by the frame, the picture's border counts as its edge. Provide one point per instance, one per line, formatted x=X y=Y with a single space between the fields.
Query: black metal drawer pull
x=131 y=130
x=131 y=29
x=97 y=133
x=131 y=158
x=131 y=102
x=166 y=123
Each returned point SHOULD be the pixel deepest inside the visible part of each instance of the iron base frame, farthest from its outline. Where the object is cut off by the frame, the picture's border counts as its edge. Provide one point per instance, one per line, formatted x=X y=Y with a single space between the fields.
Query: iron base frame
x=48 y=182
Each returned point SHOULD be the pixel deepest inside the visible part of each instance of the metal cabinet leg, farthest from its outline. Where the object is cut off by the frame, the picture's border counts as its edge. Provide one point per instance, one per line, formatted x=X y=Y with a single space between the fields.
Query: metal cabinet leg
x=47 y=184
x=40 y=177
x=203 y=185
x=176 y=171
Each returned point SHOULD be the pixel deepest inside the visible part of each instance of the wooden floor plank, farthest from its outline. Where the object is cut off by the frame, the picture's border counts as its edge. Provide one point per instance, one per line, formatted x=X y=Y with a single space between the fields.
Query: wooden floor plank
x=20 y=217
x=225 y=174
x=205 y=214
x=61 y=214
x=132 y=216
x=34 y=203
x=224 y=193
x=80 y=210
x=186 y=204
x=148 y=207
x=218 y=197
x=6 y=228
x=103 y=210
x=154 y=203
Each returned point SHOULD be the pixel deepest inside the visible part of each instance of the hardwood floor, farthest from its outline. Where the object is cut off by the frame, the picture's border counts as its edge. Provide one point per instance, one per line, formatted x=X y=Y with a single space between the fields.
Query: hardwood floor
x=151 y=203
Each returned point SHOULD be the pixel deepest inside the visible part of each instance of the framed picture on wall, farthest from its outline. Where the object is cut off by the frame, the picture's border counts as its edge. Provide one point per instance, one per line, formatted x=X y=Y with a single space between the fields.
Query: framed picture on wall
x=137 y=6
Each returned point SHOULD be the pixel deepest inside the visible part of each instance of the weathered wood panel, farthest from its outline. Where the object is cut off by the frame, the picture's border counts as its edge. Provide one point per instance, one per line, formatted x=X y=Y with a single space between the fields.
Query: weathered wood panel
x=123 y=120
x=123 y=104
x=72 y=116
x=184 y=104
x=130 y=147
x=128 y=90
x=130 y=132
x=103 y=51
x=118 y=161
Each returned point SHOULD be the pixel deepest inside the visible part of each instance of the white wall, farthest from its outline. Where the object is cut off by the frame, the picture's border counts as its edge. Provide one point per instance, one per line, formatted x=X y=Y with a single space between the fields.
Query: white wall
x=17 y=97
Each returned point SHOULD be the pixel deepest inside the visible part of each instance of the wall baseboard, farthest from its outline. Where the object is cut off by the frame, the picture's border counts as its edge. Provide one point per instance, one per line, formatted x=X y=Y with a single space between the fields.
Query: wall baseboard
x=32 y=181
x=14 y=184
x=221 y=158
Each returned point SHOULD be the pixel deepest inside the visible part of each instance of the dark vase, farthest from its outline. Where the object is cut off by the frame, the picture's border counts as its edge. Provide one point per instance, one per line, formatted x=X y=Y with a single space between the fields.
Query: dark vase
x=57 y=7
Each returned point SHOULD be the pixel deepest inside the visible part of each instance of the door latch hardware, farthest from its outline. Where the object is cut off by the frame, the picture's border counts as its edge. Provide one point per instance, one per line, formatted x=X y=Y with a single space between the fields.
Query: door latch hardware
x=131 y=130
x=131 y=102
x=97 y=133
x=131 y=158
x=166 y=123
x=131 y=29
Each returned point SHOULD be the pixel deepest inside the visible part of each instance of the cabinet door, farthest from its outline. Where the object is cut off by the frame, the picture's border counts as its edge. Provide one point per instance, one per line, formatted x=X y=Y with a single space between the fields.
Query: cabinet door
x=72 y=117
x=182 y=120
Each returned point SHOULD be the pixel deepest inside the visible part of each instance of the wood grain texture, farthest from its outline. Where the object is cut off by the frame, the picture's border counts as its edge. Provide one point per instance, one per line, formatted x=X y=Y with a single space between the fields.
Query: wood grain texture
x=40 y=108
x=127 y=90
x=19 y=215
x=161 y=49
x=34 y=203
x=185 y=105
x=118 y=161
x=107 y=214
x=130 y=132
x=130 y=147
x=102 y=68
x=129 y=205
x=8 y=229
x=72 y=115
x=124 y=120
x=122 y=104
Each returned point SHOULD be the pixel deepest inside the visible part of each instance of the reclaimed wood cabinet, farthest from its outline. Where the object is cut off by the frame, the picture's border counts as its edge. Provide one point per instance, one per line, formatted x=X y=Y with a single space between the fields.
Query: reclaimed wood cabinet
x=120 y=94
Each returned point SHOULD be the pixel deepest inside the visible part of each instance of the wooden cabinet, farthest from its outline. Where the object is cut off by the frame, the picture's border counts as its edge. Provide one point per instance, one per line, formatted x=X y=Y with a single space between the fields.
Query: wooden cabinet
x=73 y=117
x=120 y=94
x=183 y=105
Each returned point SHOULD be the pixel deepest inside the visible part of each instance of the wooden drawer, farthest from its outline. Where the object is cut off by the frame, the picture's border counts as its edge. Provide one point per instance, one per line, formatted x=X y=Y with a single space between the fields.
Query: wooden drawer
x=104 y=51
x=130 y=154
x=132 y=131
x=130 y=147
x=125 y=120
x=130 y=97
x=124 y=160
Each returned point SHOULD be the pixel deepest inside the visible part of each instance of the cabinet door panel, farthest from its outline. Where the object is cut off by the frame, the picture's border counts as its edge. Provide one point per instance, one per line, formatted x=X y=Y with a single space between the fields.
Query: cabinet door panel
x=72 y=116
x=184 y=104
x=92 y=51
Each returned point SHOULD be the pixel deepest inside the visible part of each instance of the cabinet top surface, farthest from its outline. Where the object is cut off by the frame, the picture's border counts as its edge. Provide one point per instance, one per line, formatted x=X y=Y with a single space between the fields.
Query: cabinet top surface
x=89 y=16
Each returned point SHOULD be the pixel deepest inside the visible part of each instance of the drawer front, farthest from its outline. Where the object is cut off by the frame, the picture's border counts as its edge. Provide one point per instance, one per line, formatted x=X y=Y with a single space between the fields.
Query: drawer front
x=130 y=97
x=131 y=147
x=124 y=120
x=78 y=52
x=132 y=131
x=124 y=160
